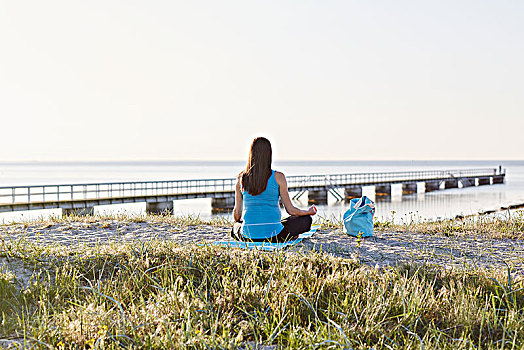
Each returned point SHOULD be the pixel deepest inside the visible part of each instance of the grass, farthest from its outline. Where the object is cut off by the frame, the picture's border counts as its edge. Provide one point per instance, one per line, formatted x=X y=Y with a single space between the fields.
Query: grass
x=501 y=225
x=180 y=220
x=161 y=295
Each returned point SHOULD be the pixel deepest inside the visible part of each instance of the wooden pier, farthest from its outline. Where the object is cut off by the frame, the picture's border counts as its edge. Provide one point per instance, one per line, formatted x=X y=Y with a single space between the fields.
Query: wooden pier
x=159 y=195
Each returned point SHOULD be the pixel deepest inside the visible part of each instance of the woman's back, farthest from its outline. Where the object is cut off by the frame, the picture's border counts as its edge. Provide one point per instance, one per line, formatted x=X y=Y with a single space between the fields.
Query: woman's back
x=262 y=212
x=260 y=203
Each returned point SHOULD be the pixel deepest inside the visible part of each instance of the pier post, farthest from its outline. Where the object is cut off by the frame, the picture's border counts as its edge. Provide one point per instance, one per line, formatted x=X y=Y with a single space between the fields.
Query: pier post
x=409 y=188
x=498 y=179
x=383 y=191
x=432 y=186
x=353 y=192
x=485 y=180
x=159 y=207
x=78 y=211
x=468 y=182
x=222 y=204
x=317 y=197
x=451 y=183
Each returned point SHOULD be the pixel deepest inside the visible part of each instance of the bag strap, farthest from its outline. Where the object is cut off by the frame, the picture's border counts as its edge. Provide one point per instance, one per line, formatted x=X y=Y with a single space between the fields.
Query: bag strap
x=357 y=206
x=358 y=203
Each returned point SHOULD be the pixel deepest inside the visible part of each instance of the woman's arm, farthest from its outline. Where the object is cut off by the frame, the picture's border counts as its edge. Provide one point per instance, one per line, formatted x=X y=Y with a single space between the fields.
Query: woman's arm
x=284 y=195
x=237 y=211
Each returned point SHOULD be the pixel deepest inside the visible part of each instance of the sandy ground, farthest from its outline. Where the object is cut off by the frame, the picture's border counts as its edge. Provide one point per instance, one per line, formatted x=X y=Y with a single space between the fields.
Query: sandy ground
x=385 y=248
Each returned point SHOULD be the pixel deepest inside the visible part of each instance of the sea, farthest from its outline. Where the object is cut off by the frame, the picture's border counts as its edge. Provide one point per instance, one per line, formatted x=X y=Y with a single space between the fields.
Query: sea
x=416 y=207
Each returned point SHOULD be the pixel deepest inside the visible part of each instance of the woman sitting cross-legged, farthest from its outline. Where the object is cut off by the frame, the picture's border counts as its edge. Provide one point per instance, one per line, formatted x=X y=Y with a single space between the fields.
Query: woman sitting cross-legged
x=257 y=192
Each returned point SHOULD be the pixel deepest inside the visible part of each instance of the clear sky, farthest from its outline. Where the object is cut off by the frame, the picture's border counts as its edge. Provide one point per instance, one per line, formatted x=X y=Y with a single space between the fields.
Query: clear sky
x=169 y=80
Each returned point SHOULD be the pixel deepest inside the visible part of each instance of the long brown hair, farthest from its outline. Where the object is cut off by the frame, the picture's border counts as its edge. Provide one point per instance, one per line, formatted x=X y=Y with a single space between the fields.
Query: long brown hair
x=258 y=169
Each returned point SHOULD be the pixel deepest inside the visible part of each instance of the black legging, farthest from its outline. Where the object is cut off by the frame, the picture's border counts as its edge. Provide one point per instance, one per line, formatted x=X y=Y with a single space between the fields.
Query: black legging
x=293 y=226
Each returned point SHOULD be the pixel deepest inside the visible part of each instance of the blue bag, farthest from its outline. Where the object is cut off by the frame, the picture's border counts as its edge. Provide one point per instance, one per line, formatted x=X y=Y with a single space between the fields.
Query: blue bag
x=358 y=219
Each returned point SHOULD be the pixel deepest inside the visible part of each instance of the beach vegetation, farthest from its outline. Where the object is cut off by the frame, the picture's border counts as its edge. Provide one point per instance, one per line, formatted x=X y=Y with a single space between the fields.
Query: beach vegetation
x=159 y=294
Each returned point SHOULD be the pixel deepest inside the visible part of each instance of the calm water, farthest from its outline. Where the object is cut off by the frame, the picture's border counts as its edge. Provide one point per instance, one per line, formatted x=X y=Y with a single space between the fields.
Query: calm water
x=440 y=204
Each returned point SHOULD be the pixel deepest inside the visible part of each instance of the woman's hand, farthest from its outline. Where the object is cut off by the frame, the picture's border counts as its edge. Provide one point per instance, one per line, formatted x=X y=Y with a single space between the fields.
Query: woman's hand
x=312 y=210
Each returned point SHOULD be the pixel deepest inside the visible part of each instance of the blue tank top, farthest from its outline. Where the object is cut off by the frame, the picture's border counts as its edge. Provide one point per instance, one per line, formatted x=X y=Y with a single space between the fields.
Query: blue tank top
x=262 y=212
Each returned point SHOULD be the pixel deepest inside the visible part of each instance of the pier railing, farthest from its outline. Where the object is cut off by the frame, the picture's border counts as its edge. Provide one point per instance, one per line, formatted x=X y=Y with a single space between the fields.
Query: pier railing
x=384 y=177
x=95 y=191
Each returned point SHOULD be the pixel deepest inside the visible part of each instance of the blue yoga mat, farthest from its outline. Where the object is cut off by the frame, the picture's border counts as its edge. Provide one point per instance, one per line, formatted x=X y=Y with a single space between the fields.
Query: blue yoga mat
x=267 y=246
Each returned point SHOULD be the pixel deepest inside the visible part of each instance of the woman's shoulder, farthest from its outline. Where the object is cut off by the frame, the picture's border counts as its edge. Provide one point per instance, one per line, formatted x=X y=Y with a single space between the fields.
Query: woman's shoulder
x=279 y=176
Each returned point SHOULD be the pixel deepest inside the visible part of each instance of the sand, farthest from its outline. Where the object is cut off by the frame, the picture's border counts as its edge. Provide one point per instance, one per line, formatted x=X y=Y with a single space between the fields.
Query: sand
x=384 y=249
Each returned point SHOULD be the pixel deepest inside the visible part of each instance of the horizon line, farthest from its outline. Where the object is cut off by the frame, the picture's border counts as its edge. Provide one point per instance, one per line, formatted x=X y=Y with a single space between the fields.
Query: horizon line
x=158 y=161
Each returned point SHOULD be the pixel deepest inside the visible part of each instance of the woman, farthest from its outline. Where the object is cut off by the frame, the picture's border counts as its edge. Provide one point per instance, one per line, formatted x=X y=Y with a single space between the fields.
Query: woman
x=257 y=191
